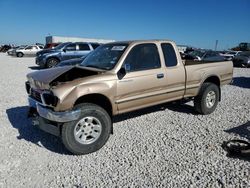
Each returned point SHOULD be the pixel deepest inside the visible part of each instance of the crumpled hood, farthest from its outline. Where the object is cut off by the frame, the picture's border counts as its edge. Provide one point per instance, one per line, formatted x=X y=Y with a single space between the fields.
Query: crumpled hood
x=43 y=79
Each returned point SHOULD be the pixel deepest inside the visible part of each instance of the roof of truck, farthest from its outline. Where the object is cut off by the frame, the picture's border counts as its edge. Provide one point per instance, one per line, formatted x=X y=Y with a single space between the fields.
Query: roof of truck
x=143 y=41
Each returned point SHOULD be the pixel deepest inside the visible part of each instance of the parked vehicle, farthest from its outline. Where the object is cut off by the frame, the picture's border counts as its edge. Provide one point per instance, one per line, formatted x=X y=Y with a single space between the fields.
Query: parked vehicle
x=242 y=59
x=243 y=46
x=204 y=55
x=64 y=51
x=5 y=48
x=78 y=102
x=229 y=55
x=29 y=50
x=12 y=51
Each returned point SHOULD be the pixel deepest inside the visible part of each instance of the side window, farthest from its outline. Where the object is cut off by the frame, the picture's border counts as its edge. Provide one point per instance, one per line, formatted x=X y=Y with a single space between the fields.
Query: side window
x=143 y=57
x=71 y=47
x=84 y=47
x=28 y=48
x=169 y=55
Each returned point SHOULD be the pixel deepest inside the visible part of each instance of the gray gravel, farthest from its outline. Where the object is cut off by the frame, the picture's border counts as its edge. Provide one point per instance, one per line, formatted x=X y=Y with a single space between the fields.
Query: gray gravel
x=164 y=146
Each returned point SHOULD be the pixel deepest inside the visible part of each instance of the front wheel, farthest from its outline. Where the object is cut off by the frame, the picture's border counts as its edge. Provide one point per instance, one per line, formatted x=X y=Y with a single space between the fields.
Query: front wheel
x=207 y=99
x=52 y=62
x=90 y=132
x=19 y=54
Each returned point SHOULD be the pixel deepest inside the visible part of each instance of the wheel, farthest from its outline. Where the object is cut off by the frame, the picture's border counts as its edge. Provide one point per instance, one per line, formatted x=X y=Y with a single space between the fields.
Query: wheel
x=19 y=54
x=52 y=62
x=207 y=99
x=90 y=132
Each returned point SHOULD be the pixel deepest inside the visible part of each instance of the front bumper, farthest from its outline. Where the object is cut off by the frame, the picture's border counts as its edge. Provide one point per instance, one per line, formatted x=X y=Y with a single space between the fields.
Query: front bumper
x=51 y=115
x=41 y=61
x=49 y=120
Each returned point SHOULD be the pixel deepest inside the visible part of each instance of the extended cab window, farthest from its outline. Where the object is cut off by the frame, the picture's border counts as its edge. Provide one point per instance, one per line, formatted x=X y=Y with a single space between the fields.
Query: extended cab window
x=143 y=57
x=84 y=47
x=71 y=47
x=169 y=55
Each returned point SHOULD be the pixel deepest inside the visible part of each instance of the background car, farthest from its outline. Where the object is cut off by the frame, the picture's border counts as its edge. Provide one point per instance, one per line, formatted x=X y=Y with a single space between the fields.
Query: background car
x=204 y=55
x=229 y=55
x=29 y=50
x=51 y=57
x=12 y=51
x=5 y=48
x=242 y=59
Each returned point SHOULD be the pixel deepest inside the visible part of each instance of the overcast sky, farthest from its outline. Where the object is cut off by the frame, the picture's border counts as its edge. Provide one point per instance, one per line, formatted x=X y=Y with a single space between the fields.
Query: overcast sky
x=194 y=22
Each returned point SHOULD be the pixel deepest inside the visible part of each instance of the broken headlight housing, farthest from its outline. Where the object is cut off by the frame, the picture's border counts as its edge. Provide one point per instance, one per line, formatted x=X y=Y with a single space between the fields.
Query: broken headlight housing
x=48 y=98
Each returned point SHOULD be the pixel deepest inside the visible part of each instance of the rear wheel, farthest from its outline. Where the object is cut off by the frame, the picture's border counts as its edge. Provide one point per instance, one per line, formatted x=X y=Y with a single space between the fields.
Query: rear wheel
x=52 y=62
x=207 y=99
x=19 y=54
x=90 y=132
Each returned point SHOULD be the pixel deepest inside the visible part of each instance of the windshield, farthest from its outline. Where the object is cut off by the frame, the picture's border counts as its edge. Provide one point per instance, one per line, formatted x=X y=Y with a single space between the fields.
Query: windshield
x=105 y=56
x=60 y=46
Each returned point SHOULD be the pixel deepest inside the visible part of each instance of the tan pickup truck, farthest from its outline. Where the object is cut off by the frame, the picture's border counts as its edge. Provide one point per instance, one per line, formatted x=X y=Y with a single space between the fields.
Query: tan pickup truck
x=78 y=102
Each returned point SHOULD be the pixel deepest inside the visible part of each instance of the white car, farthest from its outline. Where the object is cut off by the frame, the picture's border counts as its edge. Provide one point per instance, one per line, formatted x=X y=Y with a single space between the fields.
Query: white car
x=29 y=50
x=230 y=54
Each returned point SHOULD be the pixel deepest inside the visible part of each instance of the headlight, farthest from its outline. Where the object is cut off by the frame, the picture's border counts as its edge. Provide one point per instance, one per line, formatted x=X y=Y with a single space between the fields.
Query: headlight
x=49 y=99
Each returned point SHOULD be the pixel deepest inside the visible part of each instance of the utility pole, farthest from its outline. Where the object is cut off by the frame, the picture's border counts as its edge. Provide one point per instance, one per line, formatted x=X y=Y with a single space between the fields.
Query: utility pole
x=216 y=44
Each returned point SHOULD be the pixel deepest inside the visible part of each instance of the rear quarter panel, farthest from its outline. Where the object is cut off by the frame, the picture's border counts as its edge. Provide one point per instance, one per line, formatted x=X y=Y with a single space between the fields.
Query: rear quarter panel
x=197 y=73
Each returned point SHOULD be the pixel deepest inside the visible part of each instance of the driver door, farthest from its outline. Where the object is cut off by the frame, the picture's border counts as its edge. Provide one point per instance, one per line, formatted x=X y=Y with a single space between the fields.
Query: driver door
x=144 y=79
x=69 y=52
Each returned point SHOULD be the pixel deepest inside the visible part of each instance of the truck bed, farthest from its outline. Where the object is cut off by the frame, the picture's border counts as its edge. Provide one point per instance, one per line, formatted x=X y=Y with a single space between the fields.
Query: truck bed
x=197 y=71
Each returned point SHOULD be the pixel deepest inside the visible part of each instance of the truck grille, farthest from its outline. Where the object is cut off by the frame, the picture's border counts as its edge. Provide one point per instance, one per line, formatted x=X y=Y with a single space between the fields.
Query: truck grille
x=36 y=94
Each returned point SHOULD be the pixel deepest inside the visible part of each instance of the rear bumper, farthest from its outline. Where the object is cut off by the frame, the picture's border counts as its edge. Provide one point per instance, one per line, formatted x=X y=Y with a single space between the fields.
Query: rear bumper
x=51 y=115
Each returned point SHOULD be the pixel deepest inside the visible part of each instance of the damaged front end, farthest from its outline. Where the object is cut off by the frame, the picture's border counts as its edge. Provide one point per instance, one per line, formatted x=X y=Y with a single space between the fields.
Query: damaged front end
x=42 y=100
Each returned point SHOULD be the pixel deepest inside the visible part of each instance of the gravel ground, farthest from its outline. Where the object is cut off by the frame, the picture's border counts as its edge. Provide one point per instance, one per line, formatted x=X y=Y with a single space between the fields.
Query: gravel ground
x=163 y=146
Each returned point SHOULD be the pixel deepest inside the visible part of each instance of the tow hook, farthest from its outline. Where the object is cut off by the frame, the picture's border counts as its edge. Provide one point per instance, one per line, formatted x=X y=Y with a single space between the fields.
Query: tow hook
x=35 y=122
x=32 y=113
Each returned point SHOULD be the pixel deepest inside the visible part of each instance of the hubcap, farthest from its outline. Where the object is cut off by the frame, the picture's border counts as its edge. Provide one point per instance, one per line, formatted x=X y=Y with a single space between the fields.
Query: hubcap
x=87 y=130
x=52 y=62
x=210 y=99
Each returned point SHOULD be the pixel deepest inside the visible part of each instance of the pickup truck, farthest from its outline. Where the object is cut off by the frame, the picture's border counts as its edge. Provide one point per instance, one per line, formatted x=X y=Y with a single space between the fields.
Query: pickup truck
x=78 y=103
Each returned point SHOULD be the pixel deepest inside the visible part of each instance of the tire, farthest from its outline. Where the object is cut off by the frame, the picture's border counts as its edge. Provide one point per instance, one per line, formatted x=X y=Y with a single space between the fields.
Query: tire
x=52 y=62
x=207 y=99
x=79 y=144
x=19 y=54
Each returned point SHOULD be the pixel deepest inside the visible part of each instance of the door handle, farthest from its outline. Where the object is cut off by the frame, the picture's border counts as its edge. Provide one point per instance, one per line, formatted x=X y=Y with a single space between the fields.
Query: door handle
x=161 y=75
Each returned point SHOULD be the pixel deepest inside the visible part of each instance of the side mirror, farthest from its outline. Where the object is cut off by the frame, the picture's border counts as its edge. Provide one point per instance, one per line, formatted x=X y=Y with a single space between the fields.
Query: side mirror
x=121 y=73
